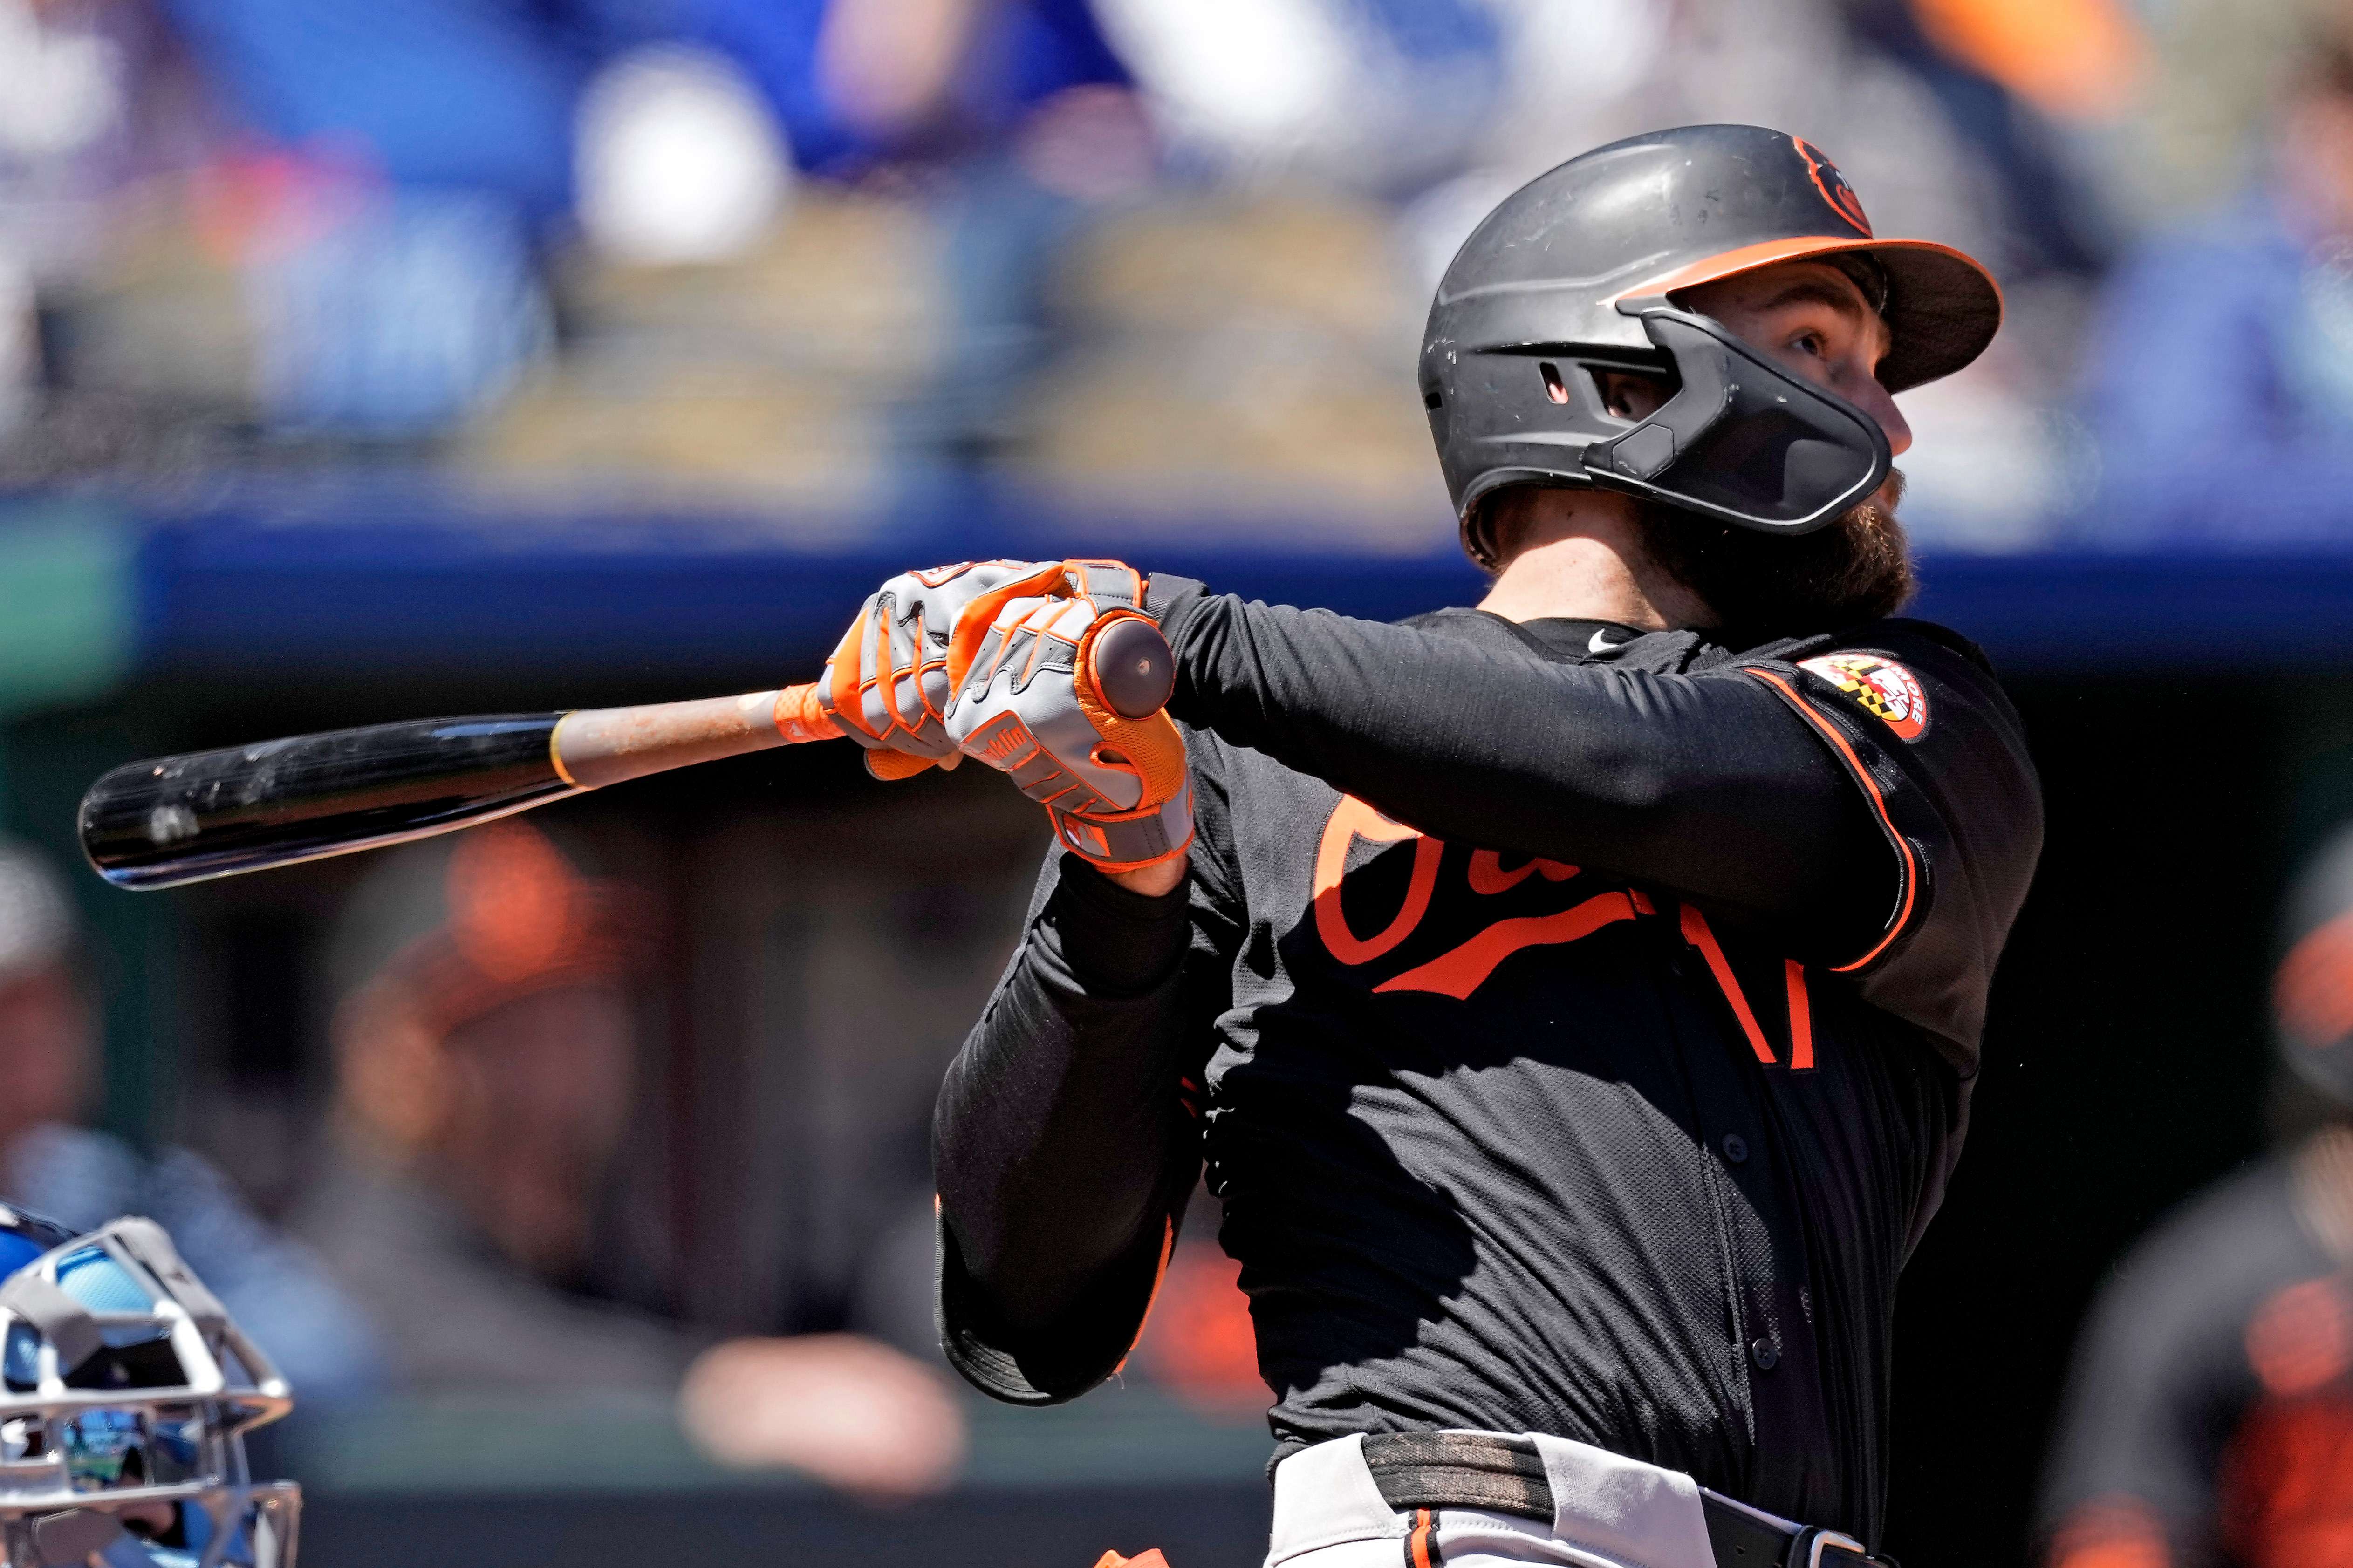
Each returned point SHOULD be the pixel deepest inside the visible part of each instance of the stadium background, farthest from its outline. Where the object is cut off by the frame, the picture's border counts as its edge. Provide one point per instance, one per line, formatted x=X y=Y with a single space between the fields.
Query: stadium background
x=455 y=355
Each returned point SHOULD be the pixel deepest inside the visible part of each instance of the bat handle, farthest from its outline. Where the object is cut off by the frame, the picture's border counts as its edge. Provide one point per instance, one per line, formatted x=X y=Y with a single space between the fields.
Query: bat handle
x=1133 y=668
x=593 y=747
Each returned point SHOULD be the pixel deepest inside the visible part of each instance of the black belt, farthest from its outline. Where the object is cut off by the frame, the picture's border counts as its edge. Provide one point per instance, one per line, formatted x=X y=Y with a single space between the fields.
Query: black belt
x=1507 y=1475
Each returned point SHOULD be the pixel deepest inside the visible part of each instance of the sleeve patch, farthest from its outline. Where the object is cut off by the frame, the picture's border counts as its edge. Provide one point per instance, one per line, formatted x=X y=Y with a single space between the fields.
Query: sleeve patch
x=1880 y=686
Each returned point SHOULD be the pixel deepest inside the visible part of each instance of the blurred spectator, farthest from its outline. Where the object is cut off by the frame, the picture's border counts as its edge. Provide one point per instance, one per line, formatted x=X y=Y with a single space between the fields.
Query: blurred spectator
x=823 y=258
x=2208 y=103
x=2222 y=370
x=2003 y=71
x=386 y=314
x=1243 y=355
x=2209 y=1417
x=856 y=83
x=448 y=95
x=92 y=98
x=678 y=162
x=486 y=1062
x=1381 y=95
x=48 y=1051
x=1264 y=367
x=96 y=105
x=405 y=160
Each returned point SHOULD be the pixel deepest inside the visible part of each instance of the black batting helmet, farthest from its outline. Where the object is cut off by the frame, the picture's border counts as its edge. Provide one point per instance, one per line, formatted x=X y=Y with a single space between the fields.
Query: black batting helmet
x=1578 y=271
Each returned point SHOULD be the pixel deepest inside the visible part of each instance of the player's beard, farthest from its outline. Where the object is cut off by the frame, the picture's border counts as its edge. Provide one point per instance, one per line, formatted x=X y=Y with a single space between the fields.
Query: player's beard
x=1763 y=586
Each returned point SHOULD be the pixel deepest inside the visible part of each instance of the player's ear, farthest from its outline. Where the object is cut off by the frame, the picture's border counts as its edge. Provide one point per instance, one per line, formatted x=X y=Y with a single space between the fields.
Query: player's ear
x=1499 y=523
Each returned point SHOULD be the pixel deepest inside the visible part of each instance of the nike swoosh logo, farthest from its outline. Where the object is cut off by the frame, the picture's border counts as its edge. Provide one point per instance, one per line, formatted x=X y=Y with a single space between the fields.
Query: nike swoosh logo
x=1600 y=644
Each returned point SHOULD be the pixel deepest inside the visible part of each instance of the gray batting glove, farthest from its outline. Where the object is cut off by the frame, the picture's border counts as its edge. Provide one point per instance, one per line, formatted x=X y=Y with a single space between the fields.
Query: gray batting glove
x=1117 y=790
x=887 y=684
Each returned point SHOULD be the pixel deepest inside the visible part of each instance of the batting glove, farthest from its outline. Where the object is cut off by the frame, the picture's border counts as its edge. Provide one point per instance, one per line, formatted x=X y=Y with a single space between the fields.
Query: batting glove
x=888 y=684
x=1117 y=790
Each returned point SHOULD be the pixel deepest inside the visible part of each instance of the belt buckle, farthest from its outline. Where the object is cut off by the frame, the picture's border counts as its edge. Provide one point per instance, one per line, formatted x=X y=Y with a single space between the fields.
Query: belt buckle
x=1821 y=1539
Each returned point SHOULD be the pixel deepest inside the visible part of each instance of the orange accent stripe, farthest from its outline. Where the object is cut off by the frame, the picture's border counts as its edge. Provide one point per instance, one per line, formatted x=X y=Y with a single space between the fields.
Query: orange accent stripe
x=556 y=754
x=1749 y=258
x=1417 y=1545
x=1878 y=804
x=1801 y=1018
x=1697 y=933
x=1168 y=1246
x=1459 y=970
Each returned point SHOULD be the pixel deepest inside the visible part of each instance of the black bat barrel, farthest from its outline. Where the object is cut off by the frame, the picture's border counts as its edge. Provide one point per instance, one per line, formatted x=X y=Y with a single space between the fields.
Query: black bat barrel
x=208 y=813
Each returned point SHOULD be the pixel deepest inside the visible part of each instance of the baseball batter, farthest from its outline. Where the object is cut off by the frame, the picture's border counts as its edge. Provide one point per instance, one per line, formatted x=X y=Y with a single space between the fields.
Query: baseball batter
x=1575 y=1000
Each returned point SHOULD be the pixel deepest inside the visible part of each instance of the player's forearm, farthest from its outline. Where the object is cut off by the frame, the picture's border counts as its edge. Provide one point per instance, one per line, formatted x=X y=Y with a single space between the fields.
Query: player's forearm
x=1058 y=1122
x=1707 y=787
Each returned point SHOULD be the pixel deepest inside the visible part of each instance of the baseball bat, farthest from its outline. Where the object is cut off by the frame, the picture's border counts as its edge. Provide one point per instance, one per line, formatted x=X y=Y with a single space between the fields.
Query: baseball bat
x=189 y=818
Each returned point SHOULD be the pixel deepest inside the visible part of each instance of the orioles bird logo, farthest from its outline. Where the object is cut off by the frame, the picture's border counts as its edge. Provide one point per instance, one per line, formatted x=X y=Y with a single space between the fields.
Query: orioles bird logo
x=1832 y=186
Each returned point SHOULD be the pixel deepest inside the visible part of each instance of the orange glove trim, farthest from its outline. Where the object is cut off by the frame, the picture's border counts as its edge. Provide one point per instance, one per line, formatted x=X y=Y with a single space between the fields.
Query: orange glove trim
x=977 y=615
x=890 y=766
x=841 y=682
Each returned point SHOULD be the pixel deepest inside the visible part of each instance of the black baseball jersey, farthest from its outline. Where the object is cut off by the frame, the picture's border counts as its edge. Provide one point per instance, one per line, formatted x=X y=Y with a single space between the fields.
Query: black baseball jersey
x=2210 y=1416
x=1577 y=1024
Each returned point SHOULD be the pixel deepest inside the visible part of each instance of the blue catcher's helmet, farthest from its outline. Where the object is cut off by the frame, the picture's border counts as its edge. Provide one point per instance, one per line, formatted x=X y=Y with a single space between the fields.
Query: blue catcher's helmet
x=125 y=1392
x=25 y=1237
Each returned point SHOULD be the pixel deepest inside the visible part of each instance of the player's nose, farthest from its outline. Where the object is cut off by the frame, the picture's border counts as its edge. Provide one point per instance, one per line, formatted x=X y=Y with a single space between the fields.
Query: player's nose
x=1874 y=400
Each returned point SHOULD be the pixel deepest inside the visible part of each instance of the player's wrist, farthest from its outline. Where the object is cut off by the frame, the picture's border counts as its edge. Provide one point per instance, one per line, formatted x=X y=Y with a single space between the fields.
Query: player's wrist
x=1119 y=934
x=1152 y=834
x=1156 y=881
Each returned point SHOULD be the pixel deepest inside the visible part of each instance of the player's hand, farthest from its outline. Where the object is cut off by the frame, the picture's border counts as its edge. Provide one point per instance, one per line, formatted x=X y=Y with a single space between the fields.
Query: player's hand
x=1117 y=789
x=887 y=684
x=853 y=1413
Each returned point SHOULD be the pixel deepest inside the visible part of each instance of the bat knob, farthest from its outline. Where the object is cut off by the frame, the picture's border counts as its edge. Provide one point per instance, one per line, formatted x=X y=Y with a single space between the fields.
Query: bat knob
x=1132 y=666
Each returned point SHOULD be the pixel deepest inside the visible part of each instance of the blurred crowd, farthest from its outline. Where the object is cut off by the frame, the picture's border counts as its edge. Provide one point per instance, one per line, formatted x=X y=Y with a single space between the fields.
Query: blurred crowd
x=465 y=1222
x=447 y=1239
x=819 y=261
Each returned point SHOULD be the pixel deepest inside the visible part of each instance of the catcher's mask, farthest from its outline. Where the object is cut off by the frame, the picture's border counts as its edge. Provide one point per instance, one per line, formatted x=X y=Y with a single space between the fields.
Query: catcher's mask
x=1579 y=273
x=125 y=1394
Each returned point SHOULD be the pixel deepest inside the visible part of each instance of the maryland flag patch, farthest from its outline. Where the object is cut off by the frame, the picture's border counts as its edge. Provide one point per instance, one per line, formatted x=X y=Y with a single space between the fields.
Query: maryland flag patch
x=1880 y=686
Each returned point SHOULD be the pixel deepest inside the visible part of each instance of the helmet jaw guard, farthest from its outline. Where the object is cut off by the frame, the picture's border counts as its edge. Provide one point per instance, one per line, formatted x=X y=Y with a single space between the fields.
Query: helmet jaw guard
x=1740 y=441
x=1574 y=272
x=125 y=1392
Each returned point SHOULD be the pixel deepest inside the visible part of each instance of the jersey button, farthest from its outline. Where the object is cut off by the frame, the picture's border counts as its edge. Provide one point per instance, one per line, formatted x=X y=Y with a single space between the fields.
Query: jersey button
x=1765 y=1353
x=1736 y=1148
